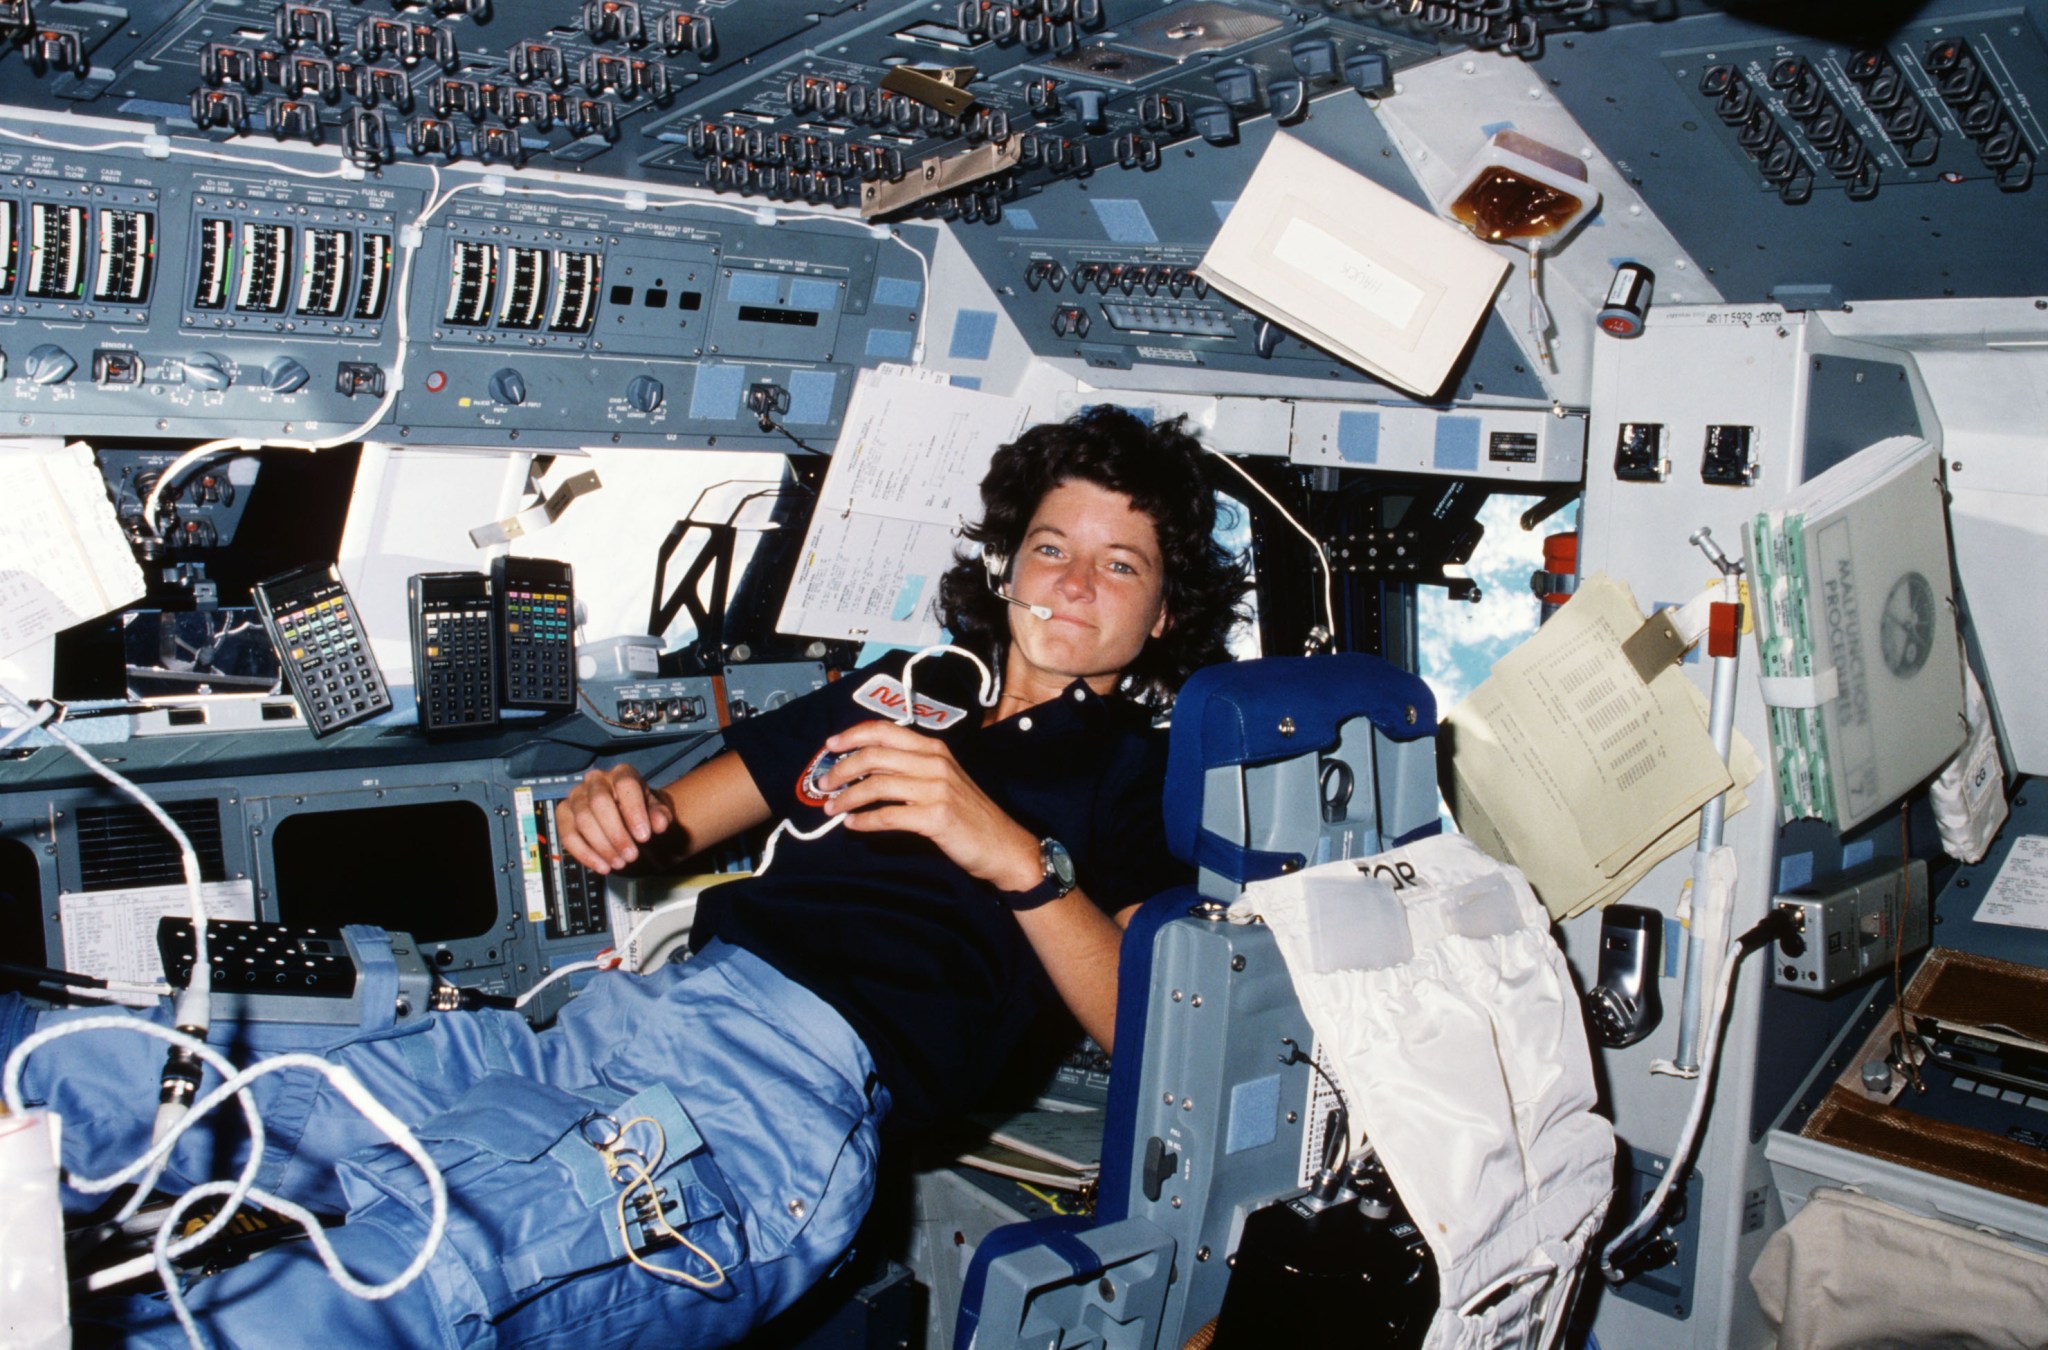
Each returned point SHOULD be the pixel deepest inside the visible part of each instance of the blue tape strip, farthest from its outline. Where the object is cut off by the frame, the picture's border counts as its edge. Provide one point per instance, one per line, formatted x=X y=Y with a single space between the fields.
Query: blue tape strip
x=1254 y=1114
x=1358 y=437
x=810 y=396
x=888 y=343
x=899 y=292
x=1457 y=443
x=716 y=396
x=755 y=288
x=974 y=334
x=1124 y=220
x=815 y=294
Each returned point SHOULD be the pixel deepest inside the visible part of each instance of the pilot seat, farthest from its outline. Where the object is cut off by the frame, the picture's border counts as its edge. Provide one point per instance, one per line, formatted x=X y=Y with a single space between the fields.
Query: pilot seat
x=1274 y=765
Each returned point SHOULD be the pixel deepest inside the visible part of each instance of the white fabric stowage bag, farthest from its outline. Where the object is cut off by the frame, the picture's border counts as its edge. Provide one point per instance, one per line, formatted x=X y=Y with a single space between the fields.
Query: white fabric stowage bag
x=1852 y=1273
x=1430 y=978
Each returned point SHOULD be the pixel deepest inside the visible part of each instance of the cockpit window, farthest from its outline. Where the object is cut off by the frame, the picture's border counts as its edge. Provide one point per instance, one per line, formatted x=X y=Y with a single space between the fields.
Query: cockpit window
x=1458 y=641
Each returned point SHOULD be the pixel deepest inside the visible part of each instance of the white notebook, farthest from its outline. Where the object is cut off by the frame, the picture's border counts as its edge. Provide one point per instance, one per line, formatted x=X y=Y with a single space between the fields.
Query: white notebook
x=1858 y=634
x=1332 y=256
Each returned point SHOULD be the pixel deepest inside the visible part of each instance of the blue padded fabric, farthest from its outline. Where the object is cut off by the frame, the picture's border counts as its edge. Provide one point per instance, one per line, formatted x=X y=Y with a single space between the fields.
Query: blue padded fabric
x=1233 y=713
x=380 y=975
x=1059 y=1235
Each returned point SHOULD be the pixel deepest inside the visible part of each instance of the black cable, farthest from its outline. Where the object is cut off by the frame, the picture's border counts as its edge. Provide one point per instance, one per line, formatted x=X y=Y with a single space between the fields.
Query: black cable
x=50 y=975
x=1295 y=1055
x=1780 y=925
x=770 y=424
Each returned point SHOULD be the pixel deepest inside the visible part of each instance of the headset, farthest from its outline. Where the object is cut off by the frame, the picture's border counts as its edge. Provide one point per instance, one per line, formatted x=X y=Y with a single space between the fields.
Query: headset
x=998 y=565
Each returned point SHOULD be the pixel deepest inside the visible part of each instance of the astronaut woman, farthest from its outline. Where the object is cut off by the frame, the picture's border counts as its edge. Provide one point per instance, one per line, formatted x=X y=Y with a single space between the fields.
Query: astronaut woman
x=983 y=863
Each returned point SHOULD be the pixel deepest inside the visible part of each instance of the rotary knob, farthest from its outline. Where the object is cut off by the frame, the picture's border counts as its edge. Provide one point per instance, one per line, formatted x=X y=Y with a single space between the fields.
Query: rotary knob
x=508 y=386
x=205 y=370
x=285 y=375
x=645 y=393
x=49 y=364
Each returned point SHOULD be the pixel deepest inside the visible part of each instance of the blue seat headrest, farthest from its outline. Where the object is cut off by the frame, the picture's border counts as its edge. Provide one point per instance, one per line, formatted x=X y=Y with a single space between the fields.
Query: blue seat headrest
x=1253 y=712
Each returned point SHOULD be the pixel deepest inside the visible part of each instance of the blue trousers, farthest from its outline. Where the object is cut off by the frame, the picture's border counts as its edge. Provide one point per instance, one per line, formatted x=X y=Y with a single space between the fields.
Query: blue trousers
x=768 y=1108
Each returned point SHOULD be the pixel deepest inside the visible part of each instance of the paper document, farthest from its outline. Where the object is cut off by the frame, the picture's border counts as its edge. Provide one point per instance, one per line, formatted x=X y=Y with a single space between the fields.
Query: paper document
x=112 y=934
x=63 y=558
x=1058 y=1149
x=904 y=479
x=1570 y=766
x=1072 y=1139
x=2019 y=893
x=913 y=448
x=1361 y=272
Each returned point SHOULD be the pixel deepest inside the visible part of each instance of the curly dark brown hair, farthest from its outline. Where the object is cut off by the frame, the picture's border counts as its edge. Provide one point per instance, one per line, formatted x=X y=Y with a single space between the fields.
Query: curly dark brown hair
x=1162 y=469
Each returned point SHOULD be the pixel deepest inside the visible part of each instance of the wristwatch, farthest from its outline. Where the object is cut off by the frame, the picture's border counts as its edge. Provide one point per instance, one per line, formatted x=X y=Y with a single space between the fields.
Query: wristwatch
x=1058 y=879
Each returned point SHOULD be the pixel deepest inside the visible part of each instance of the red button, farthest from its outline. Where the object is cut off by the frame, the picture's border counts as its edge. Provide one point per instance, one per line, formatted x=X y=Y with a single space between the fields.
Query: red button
x=437 y=381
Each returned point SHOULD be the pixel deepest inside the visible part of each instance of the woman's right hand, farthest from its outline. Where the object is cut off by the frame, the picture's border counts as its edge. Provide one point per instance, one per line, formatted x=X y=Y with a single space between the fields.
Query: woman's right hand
x=605 y=819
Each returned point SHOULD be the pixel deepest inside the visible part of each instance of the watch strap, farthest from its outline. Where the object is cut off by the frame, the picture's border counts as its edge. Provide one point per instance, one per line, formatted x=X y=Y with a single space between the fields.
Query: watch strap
x=1051 y=886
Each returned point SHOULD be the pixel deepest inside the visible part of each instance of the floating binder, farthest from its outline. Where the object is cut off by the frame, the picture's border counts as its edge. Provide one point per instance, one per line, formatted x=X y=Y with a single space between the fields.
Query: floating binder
x=1856 y=631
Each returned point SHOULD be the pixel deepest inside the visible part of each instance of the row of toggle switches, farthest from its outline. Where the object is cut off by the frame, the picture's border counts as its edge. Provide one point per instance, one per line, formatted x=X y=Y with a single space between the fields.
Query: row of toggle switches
x=1048 y=273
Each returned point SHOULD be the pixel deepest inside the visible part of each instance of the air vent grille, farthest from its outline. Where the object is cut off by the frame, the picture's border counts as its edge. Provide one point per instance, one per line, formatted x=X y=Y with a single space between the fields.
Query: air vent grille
x=122 y=846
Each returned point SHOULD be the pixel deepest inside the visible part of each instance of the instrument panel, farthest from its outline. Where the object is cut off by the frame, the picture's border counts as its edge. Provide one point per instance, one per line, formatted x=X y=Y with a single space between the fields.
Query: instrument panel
x=288 y=298
x=309 y=220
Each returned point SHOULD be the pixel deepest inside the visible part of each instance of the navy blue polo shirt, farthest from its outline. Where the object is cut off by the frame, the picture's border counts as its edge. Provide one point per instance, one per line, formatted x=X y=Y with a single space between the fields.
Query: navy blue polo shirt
x=922 y=960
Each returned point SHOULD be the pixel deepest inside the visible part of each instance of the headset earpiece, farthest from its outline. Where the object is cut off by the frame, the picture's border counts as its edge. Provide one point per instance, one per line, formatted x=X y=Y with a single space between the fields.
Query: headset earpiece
x=998 y=565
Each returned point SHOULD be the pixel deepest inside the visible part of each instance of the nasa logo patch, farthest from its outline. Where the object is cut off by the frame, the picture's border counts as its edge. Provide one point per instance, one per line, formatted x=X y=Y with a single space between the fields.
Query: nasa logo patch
x=885 y=695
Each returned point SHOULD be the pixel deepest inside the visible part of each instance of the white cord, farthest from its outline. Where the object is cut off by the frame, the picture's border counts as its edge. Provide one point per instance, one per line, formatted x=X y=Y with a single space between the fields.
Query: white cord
x=176 y=148
x=560 y=973
x=113 y=989
x=235 y=1085
x=192 y=1008
x=390 y=1126
x=194 y=1005
x=35 y=721
x=991 y=692
x=991 y=689
x=437 y=199
x=1322 y=559
x=81 y=149
x=1681 y=1156
x=402 y=297
x=789 y=827
x=146 y=1168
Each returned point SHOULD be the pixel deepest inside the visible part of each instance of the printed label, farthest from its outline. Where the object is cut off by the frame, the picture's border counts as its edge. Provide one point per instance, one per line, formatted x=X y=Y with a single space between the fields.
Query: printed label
x=885 y=695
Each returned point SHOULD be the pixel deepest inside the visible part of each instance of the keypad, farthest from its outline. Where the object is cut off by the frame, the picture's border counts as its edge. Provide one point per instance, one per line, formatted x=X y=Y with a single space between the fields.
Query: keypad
x=454 y=661
x=326 y=654
x=539 y=646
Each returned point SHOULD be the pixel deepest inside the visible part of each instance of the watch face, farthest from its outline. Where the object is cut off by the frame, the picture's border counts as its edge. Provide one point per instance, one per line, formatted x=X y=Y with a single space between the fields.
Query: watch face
x=1059 y=865
x=1907 y=638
